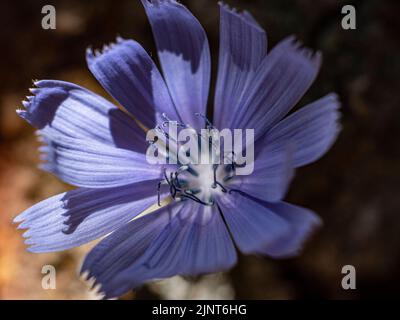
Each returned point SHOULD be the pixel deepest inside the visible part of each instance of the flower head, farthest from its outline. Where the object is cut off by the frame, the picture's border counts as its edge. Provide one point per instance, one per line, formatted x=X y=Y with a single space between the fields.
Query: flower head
x=198 y=212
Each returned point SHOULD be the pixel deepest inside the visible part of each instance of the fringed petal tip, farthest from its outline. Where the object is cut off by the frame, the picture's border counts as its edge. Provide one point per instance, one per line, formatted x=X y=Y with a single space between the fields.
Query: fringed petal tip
x=27 y=103
x=79 y=216
x=96 y=53
x=95 y=286
x=334 y=105
x=18 y=220
x=303 y=225
x=89 y=279
x=308 y=235
x=299 y=249
x=38 y=108
x=47 y=154
x=184 y=56
x=292 y=43
x=244 y=16
x=128 y=74
x=334 y=101
x=23 y=224
x=35 y=90
x=151 y=3
x=22 y=113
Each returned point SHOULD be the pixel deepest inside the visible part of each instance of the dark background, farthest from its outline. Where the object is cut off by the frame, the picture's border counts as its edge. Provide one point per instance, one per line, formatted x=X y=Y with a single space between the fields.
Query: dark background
x=354 y=188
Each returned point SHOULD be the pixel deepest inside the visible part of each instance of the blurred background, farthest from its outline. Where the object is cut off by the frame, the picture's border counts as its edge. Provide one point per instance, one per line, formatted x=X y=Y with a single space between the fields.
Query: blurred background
x=354 y=188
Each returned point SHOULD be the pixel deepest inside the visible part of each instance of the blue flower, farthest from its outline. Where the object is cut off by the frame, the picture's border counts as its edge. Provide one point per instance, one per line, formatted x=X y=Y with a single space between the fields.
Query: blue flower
x=94 y=145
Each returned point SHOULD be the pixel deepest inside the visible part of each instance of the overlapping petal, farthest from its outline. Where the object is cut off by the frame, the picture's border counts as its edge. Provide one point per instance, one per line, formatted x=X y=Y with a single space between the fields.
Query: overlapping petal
x=75 y=112
x=297 y=140
x=311 y=131
x=184 y=54
x=273 y=172
x=128 y=73
x=184 y=239
x=278 y=230
x=280 y=81
x=124 y=247
x=79 y=216
x=302 y=222
x=90 y=164
x=243 y=45
x=252 y=225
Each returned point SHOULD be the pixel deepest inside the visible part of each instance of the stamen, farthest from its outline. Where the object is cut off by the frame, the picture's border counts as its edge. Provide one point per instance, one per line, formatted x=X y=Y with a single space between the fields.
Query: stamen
x=222 y=187
x=200 y=183
x=208 y=122
x=158 y=193
x=234 y=190
x=216 y=183
x=196 y=199
x=167 y=121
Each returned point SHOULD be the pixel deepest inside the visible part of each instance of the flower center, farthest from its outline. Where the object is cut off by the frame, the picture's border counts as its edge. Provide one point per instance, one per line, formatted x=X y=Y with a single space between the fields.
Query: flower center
x=201 y=181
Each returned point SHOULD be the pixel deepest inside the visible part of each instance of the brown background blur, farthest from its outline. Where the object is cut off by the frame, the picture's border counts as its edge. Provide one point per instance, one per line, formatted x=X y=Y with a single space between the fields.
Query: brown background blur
x=354 y=188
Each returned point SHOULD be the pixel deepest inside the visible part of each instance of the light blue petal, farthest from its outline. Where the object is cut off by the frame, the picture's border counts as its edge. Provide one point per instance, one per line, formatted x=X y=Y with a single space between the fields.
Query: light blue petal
x=282 y=78
x=76 y=217
x=311 y=131
x=126 y=245
x=89 y=164
x=252 y=225
x=302 y=223
x=192 y=240
x=128 y=73
x=273 y=172
x=73 y=111
x=184 y=55
x=243 y=45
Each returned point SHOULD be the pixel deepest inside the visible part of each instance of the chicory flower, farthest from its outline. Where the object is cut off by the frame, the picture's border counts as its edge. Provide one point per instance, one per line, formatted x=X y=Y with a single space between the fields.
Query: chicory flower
x=101 y=149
